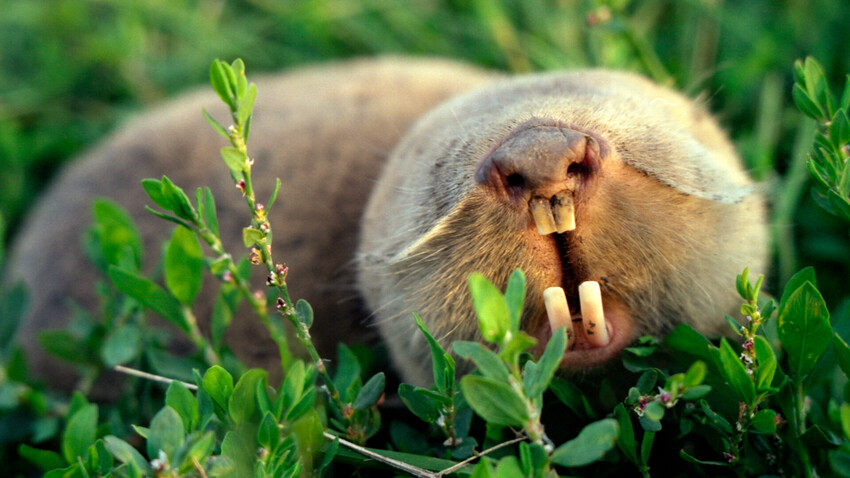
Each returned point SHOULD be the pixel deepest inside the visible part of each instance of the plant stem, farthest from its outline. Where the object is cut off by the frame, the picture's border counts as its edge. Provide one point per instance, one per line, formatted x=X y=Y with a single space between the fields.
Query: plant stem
x=800 y=410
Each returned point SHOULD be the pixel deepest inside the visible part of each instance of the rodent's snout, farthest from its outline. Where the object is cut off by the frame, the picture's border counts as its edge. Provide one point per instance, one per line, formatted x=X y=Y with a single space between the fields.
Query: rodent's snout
x=545 y=166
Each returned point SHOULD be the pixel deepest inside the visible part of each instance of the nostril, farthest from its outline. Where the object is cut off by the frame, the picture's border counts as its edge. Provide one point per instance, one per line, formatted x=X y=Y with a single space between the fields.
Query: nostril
x=576 y=168
x=515 y=181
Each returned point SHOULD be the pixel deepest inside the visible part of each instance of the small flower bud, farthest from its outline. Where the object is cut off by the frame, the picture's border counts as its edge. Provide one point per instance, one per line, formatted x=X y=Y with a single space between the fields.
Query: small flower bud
x=227 y=277
x=259 y=295
x=282 y=270
x=241 y=186
x=730 y=458
x=271 y=280
x=254 y=256
x=280 y=303
x=748 y=345
x=666 y=397
x=264 y=227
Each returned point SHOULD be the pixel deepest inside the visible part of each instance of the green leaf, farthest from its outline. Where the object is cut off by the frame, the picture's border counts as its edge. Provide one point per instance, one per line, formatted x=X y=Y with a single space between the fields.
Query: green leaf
x=734 y=325
x=116 y=232
x=181 y=206
x=64 y=345
x=150 y=295
x=121 y=345
x=509 y=467
x=805 y=103
x=304 y=313
x=685 y=456
x=696 y=392
x=804 y=330
x=570 y=395
x=490 y=307
x=153 y=187
x=685 y=339
x=536 y=383
x=839 y=129
x=239 y=81
x=268 y=434
x=494 y=401
x=626 y=439
x=44 y=459
x=441 y=362
x=840 y=205
x=742 y=284
x=218 y=384
x=370 y=393
x=764 y=422
x=844 y=412
x=817 y=87
x=183 y=402
x=695 y=374
x=200 y=449
x=842 y=353
x=123 y=452
x=220 y=83
x=347 y=370
x=210 y=213
x=487 y=361
x=590 y=445
x=646 y=446
x=420 y=403
x=184 y=265
x=215 y=125
x=166 y=432
x=736 y=374
x=251 y=236
x=483 y=470
x=293 y=387
x=243 y=402
x=80 y=433
x=235 y=160
x=241 y=449
x=13 y=306
x=795 y=282
x=654 y=411
x=515 y=297
x=302 y=406
x=273 y=197
x=766 y=363
x=247 y=105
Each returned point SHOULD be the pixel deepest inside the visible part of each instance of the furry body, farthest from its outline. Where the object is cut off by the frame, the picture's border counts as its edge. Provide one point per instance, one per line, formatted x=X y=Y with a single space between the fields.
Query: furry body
x=668 y=223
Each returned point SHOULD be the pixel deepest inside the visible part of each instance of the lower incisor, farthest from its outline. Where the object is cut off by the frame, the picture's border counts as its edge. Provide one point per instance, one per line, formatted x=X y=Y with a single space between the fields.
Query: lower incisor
x=592 y=315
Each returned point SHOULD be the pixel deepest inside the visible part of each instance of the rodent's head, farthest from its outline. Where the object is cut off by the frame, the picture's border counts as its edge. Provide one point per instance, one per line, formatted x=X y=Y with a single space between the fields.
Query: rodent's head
x=664 y=217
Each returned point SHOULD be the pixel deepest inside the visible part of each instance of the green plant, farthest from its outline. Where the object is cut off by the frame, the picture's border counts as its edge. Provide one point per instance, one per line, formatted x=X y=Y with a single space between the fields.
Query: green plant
x=776 y=405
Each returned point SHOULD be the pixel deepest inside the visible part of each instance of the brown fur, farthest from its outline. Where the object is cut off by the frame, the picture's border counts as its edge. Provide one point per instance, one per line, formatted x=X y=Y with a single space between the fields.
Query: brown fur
x=669 y=221
x=668 y=224
x=325 y=131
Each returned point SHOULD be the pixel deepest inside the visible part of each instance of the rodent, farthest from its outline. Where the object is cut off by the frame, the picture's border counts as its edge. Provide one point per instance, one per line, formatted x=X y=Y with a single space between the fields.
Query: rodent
x=664 y=214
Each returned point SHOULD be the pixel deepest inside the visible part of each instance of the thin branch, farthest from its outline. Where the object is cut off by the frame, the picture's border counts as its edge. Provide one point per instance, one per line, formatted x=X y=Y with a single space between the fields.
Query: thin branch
x=460 y=465
x=150 y=376
x=415 y=470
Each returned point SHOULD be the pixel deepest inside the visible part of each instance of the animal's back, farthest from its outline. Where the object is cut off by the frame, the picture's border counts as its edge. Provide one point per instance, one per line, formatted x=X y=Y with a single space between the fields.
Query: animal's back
x=325 y=131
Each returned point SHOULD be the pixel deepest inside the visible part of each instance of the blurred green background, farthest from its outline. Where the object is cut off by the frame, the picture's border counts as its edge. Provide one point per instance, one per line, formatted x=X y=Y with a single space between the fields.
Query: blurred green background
x=71 y=70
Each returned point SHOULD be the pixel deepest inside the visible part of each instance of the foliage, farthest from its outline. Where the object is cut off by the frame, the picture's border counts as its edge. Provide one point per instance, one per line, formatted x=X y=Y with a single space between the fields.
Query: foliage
x=775 y=405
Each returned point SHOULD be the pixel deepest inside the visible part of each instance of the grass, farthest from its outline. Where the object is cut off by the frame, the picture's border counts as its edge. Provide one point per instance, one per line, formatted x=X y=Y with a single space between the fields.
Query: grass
x=71 y=70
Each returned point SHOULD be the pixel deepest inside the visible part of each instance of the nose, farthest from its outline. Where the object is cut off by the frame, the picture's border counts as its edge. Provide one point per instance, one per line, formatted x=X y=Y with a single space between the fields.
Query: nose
x=540 y=161
x=543 y=166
